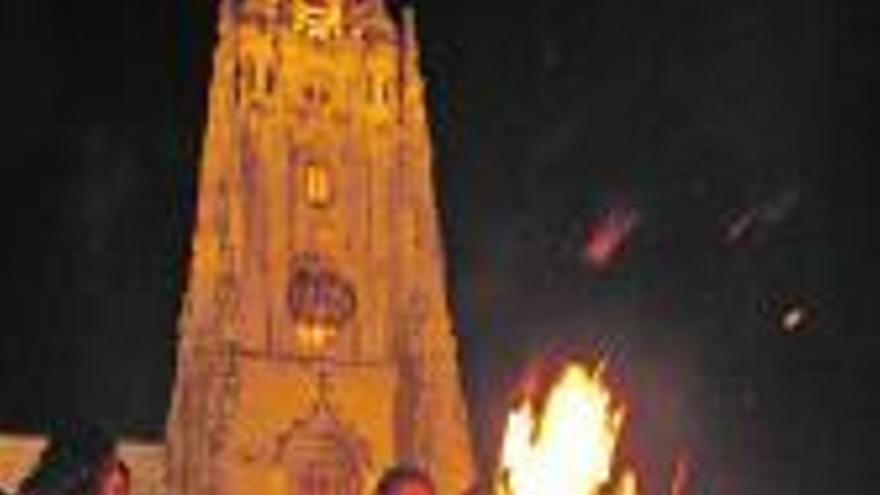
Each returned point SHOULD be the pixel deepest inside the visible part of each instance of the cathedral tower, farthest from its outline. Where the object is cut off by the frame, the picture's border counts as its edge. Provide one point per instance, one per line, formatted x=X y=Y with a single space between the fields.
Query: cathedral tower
x=315 y=344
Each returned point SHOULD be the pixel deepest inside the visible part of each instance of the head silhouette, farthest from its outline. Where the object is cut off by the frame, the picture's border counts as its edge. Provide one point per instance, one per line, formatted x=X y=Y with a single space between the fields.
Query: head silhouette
x=405 y=480
x=72 y=462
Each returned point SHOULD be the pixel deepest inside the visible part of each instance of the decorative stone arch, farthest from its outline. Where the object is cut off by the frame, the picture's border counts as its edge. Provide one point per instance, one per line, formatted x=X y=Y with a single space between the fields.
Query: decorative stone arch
x=322 y=456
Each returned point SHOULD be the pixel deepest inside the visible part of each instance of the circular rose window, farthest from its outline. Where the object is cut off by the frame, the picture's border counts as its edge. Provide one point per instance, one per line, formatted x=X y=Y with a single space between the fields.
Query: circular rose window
x=321 y=301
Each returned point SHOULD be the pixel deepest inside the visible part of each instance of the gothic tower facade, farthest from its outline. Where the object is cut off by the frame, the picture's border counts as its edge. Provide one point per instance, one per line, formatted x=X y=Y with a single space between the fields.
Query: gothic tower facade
x=315 y=344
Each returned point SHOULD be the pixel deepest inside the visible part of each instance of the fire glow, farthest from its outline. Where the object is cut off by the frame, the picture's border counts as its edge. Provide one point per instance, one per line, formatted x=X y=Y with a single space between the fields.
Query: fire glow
x=568 y=447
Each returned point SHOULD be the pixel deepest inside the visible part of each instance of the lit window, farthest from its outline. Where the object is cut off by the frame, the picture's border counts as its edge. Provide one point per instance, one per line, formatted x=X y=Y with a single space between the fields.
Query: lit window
x=317 y=185
x=315 y=337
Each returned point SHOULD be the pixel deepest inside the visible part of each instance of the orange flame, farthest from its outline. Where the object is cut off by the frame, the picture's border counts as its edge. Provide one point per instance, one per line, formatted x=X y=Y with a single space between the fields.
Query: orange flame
x=569 y=449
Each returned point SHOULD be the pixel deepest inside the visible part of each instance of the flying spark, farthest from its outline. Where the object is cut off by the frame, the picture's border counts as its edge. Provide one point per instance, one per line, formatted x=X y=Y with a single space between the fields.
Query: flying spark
x=608 y=236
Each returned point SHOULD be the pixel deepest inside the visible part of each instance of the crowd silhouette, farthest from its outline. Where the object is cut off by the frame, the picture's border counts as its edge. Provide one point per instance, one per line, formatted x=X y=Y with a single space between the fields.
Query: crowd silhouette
x=83 y=459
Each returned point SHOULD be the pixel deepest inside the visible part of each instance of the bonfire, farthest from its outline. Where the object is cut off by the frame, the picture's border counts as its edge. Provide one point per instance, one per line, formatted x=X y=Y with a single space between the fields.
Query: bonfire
x=569 y=445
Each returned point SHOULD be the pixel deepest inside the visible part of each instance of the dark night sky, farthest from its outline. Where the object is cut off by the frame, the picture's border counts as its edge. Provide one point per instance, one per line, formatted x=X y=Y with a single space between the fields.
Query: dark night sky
x=739 y=135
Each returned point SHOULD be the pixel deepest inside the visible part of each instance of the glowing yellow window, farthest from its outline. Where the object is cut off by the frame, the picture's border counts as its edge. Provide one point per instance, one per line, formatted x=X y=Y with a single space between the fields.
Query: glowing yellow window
x=317 y=185
x=315 y=337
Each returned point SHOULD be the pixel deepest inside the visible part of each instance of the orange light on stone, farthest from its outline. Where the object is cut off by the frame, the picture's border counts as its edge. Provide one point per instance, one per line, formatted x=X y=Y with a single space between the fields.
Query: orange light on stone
x=568 y=448
x=278 y=481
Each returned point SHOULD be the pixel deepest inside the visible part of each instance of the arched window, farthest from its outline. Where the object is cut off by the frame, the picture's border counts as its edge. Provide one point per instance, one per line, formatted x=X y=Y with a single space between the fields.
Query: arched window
x=317 y=185
x=270 y=81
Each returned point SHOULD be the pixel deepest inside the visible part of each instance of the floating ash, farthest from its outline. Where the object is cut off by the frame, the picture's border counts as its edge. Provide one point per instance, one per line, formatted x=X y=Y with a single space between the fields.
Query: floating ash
x=568 y=446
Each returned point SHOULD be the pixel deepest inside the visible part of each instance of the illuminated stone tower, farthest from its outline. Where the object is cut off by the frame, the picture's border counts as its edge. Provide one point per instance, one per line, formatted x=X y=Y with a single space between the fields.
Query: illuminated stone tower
x=315 y=342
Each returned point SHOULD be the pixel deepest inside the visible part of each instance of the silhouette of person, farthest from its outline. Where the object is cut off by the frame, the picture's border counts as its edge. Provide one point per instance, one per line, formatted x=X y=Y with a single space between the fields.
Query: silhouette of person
x=405 y=480
x=115 y=478
x=80 y=459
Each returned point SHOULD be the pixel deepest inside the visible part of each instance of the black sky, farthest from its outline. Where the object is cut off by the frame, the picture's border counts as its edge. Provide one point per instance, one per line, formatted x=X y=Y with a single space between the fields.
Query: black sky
x=694 y=114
